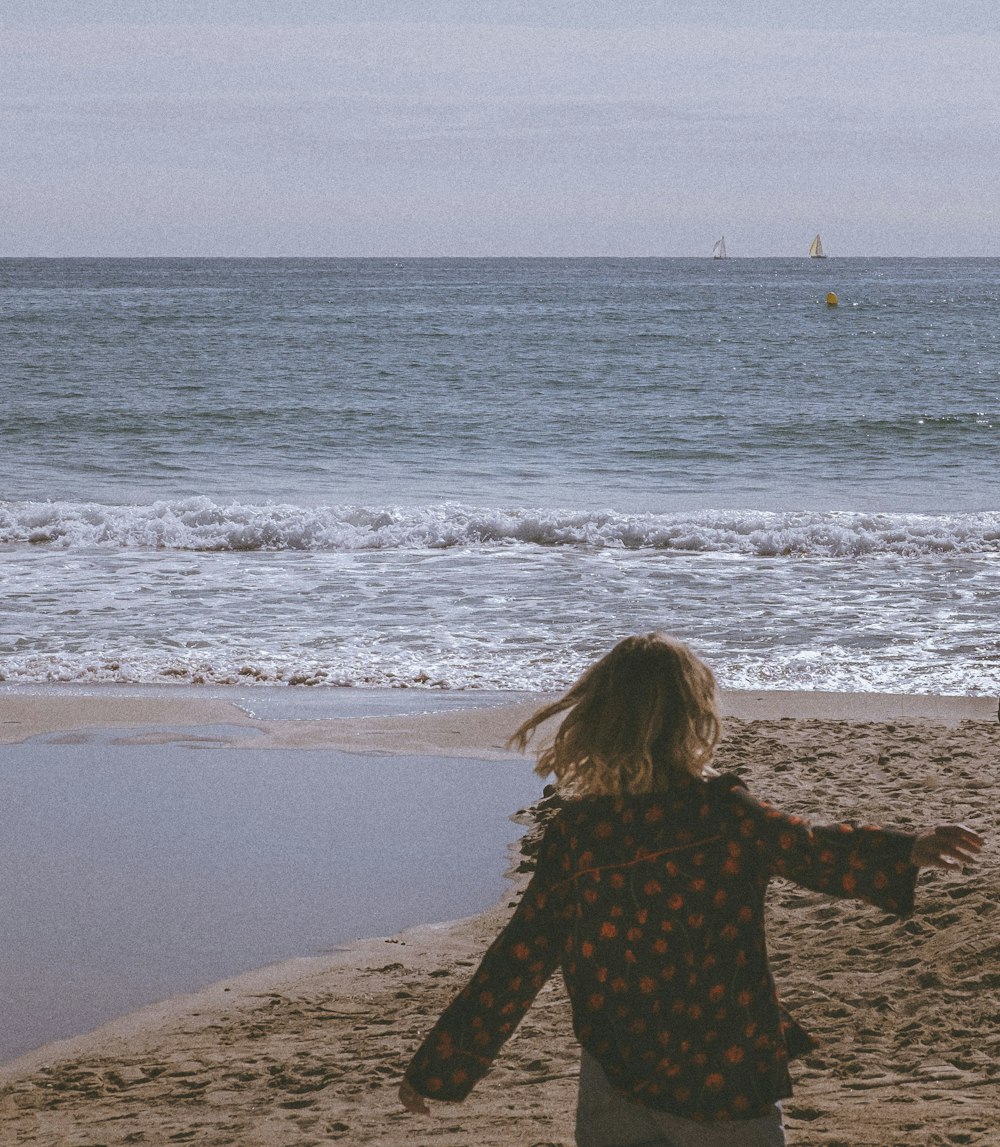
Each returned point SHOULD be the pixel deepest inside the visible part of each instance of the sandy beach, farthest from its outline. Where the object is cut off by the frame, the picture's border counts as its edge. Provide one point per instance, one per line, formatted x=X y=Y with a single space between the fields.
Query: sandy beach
x=310 y=1051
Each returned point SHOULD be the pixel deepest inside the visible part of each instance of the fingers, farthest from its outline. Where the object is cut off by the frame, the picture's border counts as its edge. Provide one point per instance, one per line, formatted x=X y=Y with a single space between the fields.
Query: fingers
x=412 y=1100
x=959 y=843
x=947 y=846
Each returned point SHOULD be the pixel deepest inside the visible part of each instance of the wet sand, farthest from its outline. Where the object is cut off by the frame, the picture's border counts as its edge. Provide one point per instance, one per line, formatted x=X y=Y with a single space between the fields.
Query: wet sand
x=310 y=1051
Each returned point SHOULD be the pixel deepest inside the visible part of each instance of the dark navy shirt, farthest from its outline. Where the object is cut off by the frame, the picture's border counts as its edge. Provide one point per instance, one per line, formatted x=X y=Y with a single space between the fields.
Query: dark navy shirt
x=653 y=906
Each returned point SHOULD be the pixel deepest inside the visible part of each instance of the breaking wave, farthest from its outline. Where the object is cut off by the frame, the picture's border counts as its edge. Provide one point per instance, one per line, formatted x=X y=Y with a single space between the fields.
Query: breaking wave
x=200 y=524
x=468 y=670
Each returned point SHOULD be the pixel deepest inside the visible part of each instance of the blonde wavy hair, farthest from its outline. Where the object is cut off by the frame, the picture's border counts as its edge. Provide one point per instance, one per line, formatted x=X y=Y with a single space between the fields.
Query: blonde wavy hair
x=635 y=720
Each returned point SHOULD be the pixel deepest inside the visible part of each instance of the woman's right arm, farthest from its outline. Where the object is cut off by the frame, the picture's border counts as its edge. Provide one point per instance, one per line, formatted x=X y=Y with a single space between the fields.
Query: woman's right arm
x=877 y=865
x=946 y=846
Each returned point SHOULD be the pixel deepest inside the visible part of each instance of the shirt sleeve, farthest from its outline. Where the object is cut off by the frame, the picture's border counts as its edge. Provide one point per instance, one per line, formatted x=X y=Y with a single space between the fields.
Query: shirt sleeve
x=863 y=862
x=462 y=1045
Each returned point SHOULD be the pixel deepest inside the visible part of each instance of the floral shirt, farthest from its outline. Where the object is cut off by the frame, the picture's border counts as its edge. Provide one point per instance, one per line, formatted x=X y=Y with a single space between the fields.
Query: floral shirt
x=654 y=907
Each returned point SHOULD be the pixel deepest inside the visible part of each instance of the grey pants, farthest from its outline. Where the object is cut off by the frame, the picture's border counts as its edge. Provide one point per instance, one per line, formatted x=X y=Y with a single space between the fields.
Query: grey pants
x=605 y=1118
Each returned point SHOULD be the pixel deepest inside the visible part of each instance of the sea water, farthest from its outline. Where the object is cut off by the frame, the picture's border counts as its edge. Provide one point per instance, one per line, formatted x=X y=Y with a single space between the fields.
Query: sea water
x=132 y=876
x=482 y=473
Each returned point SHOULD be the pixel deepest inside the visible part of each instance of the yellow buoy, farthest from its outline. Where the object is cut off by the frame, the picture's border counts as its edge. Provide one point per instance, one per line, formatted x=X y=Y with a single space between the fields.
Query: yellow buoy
x=831 y=299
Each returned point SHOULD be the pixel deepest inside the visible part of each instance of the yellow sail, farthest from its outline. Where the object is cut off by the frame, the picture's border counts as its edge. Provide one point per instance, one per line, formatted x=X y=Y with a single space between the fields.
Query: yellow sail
x=816 y=249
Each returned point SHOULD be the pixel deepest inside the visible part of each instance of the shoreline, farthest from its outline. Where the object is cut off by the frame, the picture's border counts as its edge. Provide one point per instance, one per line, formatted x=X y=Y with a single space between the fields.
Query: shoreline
x=139 y=1028
x=354 y=720
x=887 y=748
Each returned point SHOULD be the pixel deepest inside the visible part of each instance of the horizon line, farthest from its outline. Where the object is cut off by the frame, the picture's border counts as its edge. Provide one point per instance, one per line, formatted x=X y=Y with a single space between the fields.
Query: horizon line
x=707 y=258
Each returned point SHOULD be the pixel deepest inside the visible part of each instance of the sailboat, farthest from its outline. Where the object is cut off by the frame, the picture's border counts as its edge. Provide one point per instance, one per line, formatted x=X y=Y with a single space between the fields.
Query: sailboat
x=816 y=249
x=719 y=248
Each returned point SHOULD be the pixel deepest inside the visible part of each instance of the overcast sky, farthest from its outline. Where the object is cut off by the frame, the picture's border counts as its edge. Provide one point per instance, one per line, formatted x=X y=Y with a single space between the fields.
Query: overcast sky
x=457 y=127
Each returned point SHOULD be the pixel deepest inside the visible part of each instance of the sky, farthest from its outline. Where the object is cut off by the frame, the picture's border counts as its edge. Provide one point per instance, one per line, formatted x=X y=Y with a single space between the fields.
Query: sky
x=500 y=127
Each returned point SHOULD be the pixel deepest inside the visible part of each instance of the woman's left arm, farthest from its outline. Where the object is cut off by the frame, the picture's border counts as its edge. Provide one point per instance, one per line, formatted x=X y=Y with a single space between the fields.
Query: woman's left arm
x=461 y=1047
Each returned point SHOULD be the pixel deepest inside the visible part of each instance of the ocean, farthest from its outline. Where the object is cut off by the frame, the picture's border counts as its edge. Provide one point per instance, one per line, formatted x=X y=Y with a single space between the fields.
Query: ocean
x=481 y=473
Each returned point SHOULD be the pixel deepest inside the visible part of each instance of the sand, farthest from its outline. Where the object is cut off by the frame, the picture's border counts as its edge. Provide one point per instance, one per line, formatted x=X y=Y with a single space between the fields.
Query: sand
x=310 y=1051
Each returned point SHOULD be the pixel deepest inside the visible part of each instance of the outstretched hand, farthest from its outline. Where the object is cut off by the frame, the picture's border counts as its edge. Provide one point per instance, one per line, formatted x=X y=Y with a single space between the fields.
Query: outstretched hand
x=946 y=846
x=412 y=1100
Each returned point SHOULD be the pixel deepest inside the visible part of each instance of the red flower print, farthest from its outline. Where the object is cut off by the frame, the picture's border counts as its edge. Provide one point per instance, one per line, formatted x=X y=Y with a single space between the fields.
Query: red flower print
x=648 y=939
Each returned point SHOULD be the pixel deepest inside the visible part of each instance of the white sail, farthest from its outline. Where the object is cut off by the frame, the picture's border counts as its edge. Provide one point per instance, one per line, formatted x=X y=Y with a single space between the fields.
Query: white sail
x=816 y=249
x=719 y=248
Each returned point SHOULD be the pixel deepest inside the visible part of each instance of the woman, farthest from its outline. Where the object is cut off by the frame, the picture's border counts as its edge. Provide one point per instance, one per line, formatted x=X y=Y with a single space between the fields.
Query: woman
x=649 y=892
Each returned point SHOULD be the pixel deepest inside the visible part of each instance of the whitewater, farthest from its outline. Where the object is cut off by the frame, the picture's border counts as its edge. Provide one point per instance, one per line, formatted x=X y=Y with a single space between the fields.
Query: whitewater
x=480 y=474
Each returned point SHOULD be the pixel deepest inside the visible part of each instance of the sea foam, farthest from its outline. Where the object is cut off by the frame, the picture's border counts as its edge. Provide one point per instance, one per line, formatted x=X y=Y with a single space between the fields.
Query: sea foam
x=200 y=524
